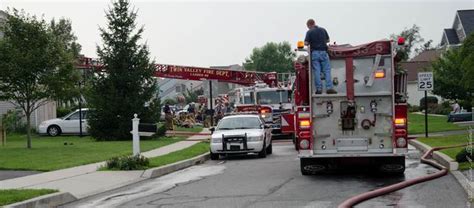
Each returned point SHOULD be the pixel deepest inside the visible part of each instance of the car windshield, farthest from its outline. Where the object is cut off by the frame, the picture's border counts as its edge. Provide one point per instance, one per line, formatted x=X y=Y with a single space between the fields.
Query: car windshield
x=239 y=123
x=273 y=97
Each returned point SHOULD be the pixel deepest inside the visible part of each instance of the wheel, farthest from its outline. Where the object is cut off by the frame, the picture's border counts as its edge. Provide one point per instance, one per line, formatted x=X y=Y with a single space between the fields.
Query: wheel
x=311 y=166
x=263 y=153
x=54 y=131
x=295 y=142
x=394 y=166
x=269 y=149
x=214 y=156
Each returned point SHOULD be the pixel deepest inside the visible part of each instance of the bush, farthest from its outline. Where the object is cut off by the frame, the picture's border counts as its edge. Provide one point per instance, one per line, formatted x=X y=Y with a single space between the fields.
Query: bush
x=465 y=152
x=138 y=162
x=63 y=111
x=432 y=102
x=161 y=130
x=14 y=122
x=439 y=109
x=413 y=108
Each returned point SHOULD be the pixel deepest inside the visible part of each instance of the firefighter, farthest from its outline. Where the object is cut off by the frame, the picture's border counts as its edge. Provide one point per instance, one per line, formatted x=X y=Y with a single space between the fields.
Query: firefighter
x=317 y=39
x=168 y=117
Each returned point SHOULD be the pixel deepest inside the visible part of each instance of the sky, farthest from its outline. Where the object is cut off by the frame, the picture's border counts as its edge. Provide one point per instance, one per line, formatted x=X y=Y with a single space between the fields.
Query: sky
x=210 y=33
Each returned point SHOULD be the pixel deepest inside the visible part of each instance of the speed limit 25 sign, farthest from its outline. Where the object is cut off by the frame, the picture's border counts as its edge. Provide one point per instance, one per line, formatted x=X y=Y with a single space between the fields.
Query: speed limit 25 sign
x=425 y=81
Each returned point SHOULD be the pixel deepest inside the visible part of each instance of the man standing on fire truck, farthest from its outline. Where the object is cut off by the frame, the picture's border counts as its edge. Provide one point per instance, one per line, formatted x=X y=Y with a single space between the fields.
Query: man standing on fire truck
x=317 y=39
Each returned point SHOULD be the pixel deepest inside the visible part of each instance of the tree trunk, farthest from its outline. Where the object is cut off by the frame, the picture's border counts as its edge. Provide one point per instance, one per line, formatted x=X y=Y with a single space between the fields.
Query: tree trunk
x=28 y=130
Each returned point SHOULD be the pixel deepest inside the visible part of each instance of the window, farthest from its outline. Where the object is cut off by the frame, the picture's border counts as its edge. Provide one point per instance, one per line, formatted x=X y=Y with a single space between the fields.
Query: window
x=239 y=123
x=273 y=97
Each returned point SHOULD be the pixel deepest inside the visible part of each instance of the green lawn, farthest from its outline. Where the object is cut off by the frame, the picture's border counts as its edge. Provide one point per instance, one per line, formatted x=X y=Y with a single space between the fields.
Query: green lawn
x=10 y=196
x=50 y=153
x=195 y=129
x=416 y=124
x=190 y=152
x=446 y=141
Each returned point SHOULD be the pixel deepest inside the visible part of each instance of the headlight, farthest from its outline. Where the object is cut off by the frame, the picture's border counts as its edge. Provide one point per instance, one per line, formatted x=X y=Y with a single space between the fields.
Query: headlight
x=216 y=140
x=253 y=139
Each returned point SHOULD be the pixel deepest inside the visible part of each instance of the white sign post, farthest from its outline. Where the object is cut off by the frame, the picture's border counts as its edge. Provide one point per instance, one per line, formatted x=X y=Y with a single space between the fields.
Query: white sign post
x=136 y=136
x=425 y=83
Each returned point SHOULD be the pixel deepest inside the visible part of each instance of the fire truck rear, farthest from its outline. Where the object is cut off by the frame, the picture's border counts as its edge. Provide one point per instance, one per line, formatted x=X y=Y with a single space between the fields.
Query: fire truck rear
x=365 y=122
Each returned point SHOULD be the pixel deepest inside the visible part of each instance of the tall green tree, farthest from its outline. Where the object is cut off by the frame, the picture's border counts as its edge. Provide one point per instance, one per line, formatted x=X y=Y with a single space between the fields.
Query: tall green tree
x=35 y=65
x=277 y=57
x=128 y=83
x=454 y=73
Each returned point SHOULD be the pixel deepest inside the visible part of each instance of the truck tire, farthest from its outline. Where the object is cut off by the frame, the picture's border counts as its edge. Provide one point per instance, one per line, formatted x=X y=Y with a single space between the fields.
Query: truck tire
x=214 y=156
x=295 y=142
x=395 y=166
x=311 y=166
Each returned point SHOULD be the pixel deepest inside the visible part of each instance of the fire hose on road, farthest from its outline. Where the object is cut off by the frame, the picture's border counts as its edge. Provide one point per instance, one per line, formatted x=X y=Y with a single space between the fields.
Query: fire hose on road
x=388 y=189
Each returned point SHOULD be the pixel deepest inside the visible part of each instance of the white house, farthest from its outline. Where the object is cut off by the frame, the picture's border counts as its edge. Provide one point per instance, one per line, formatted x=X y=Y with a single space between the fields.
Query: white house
x=421 y=62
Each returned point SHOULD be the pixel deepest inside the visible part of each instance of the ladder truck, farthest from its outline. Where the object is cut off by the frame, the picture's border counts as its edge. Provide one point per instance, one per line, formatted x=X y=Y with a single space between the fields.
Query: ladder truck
x=364 y=123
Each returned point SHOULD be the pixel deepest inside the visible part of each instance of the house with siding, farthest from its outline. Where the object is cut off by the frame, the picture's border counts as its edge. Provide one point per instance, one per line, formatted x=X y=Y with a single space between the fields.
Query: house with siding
x=419 y=63
x=45 y=112
x=463 y=25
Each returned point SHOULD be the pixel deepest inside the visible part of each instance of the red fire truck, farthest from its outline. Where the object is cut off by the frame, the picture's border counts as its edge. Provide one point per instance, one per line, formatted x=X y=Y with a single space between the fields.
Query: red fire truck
x=271 y=102
x=365 y=122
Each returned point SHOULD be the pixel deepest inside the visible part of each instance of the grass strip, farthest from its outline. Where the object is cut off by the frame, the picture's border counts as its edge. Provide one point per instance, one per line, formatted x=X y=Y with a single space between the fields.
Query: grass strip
x=10 y=196
x=53 y=153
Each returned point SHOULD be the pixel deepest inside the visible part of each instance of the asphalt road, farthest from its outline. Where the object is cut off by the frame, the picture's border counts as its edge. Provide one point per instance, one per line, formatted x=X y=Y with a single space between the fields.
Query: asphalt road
x=276 y=181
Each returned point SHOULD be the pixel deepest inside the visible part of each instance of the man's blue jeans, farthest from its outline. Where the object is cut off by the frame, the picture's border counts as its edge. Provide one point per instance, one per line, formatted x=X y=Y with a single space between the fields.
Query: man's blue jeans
x=320 y=59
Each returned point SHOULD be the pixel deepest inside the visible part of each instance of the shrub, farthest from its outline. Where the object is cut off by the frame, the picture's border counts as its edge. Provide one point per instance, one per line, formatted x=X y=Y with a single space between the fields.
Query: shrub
x=161 y=130
x=138 y=162
x=63 y=111
x=439 y=109
x=413 y=108
x=432 y=102
x=465 y=152
x=14 y=121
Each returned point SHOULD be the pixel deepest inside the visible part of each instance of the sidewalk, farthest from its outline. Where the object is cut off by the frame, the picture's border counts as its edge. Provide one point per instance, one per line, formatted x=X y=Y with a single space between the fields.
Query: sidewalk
x=85 y=180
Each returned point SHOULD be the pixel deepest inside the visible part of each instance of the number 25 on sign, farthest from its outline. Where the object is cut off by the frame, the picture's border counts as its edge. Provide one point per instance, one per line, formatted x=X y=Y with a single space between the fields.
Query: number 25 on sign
x=425 y=81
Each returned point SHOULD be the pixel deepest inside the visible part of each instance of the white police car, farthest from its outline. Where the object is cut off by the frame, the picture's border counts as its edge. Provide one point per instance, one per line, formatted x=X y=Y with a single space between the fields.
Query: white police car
x=241 y=134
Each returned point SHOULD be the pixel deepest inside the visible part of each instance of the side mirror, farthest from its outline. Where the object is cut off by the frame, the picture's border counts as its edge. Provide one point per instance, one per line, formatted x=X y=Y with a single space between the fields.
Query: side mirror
x=212 y=129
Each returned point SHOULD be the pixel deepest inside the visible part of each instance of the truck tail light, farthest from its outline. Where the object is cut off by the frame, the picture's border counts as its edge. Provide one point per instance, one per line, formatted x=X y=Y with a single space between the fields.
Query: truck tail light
x=379 y=74
x=400 y=122
x=304 y=124
x=304 y=144
x=401 y=142
x=304 y=135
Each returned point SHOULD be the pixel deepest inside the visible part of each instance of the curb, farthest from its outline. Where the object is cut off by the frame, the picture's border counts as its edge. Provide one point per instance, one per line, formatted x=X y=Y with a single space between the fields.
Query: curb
x=440 y=157
x=446 y=161
x=465 y=183
x=50 y=200
x=57 y=199
x=160 y=171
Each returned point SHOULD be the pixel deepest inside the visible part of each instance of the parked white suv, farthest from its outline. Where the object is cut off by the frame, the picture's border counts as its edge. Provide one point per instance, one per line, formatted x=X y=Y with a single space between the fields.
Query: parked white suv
x=68 y=124
x=241 y=134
